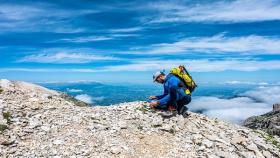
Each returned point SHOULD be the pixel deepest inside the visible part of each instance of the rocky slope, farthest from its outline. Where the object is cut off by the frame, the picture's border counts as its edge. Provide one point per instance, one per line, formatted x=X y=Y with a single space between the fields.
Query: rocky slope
x=37 y=122
x=269 y=122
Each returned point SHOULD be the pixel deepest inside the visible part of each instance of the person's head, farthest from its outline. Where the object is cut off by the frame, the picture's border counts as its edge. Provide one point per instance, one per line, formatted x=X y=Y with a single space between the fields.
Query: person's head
x=159 y=77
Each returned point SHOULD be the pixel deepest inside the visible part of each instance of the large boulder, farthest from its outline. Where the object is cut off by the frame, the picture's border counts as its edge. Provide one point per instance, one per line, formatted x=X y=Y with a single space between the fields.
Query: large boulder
x=276 y=107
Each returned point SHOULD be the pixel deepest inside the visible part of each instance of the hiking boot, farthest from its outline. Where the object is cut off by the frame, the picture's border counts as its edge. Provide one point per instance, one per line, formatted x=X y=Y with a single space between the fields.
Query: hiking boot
x=183 y=110
x=169 y=113
x=186 y=114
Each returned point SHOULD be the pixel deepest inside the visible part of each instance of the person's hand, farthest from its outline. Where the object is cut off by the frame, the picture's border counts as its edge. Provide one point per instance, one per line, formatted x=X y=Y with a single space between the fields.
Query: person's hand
x=154 y=104
x=152 y=97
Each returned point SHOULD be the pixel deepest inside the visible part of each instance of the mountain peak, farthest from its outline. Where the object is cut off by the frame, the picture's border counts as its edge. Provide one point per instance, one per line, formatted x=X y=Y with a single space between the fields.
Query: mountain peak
x=36 y=121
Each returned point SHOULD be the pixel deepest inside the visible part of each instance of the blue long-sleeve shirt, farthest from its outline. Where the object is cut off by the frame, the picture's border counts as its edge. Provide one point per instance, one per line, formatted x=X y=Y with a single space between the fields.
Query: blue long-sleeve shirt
x=170 y=81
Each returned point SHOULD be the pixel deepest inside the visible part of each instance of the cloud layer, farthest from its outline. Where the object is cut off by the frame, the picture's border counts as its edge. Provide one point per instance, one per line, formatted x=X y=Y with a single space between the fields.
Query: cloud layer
x=65 y=57
x=85 y=98
x=219 y=44
x=198 y=65
x=218 y=11
x=251 y=103
x=147 y=65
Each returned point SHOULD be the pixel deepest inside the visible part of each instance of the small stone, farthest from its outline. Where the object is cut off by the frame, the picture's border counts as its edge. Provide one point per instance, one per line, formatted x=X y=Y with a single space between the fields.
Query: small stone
x=207 y=143
x=238 y=140
x=224 y=154
x=122 y=125
x=201 y=148
x=266 y=154
x=255 y=149
x=58 y=142
x=115 y=150
x=34 y=122
x=211 y=156
x=196 y=138
x=33 y=99
x=45 y=128
x=28 y=130
x=7 y=142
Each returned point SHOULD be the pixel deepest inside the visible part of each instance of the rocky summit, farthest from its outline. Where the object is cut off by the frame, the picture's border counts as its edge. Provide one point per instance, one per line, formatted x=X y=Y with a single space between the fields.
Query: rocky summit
x=38 y=122
x=268 y=122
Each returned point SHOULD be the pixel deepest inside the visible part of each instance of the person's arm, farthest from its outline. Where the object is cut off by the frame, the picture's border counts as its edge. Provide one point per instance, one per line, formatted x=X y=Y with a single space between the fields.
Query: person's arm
x=165 y=93
x=164 y=100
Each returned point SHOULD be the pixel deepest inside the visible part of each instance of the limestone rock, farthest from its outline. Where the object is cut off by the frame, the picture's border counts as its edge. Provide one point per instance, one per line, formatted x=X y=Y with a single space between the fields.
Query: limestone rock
x=268 y=122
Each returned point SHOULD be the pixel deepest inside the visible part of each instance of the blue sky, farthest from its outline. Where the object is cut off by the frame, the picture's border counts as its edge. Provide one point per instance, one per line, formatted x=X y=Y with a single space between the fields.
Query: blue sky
x=126 y=41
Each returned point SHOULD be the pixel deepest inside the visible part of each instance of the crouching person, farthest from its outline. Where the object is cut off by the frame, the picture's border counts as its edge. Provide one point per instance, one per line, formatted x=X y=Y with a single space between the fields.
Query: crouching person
x=174 y=97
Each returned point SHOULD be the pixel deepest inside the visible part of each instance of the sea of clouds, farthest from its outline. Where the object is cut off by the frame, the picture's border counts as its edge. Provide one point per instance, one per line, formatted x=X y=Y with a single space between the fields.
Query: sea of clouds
x=89 y=99
x=236 y=109
x=251 y=103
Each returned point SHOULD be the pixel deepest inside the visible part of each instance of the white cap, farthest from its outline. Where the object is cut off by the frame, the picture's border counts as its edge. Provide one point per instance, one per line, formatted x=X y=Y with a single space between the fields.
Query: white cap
x=156 y=75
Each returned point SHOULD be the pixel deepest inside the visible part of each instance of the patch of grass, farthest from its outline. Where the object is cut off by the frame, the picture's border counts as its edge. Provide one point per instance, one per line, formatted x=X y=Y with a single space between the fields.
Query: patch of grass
x=3 y=127
x=140 y=127
x=216 y=121
x=73 y=100
x=144 y=109
x=172 y=131
x=269 y=138
x=273 y=141
x=1 y=90
x=156 y=126
x=7 y=116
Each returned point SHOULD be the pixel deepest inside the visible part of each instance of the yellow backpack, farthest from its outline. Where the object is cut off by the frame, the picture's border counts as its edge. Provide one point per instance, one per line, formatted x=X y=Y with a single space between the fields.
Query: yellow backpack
x=182 y=73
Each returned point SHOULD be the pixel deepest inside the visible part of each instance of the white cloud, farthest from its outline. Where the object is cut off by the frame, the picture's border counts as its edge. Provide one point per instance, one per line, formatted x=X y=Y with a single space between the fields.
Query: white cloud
x=86 y=39
x=18 y=12
x=89 y=99
x=152 y=65
x=218 y=11
x=124 y=35
x=85 y=98
x=267 y=94
x=64 y=57
x=65 y=81
x=74 y=90
x=198 y=65
x=126 y=30
x=247 y=83
x=21 y=12
x=237 y=115
x=239 y=82
x=218 y=44
x=251 y=103
x=48 y=70
x=39 y=17
x=232 y=110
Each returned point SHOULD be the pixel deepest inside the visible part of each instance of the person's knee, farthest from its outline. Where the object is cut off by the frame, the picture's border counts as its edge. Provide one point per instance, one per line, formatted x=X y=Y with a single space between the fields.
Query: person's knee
x=188 y=99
